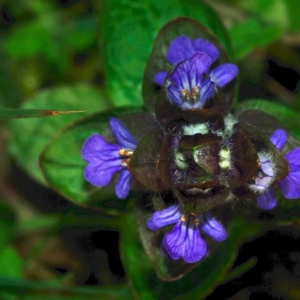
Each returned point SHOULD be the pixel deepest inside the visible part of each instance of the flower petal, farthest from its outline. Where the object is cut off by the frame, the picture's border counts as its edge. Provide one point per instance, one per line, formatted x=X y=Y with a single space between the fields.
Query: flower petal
x=266 y=166
x=267 y=200
x=262 y=183
x=279 y=138
x=181 y=48
x=223 y=74
x=206 y=90
x=185 y=241
x=213 y=228
x=290 y=185
x=96 y=148
x=123 y=184
x=188 y=73
x=99 y=174
x=205 y=46
x=186 y=76
x=165 y=217
x=103 y=160
x=186 y=105
x=159 y=78
x=122 y=135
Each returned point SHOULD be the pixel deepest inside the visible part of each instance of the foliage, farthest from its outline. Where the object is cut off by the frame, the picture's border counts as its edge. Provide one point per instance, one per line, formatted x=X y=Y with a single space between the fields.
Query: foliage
x=80 y=63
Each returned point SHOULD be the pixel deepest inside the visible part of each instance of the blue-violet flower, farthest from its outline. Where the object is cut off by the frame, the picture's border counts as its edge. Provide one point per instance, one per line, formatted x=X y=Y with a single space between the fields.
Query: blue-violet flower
x=185 y=241
x=265 y=175
x=290 y=185
x=192 y=60
x=105 y=159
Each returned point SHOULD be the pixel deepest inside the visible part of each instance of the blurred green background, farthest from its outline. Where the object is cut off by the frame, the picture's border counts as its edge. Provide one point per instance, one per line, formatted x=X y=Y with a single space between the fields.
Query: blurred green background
x=90 y=55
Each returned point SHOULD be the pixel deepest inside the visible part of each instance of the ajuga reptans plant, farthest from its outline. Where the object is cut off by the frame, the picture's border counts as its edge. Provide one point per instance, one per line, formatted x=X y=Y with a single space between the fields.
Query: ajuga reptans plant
x=187 y=157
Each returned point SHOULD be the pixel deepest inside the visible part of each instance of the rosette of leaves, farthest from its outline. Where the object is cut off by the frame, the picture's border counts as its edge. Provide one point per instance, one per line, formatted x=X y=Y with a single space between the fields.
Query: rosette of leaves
x=199 y=160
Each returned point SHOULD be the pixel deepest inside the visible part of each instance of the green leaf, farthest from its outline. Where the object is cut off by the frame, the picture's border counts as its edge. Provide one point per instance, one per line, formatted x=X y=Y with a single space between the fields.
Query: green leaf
x=63 y=165
x=7 y=224
x=42 y=34
x=258 y=35
x=289 y=118
x=45 y=48
x=80 y=33
x=205 y=277
x=28 y=39
x=293 y=12
x=9 y=91
x=29 y=136
x=129 y=29
x=39 y=223
x=11 y=263
x=273 y=12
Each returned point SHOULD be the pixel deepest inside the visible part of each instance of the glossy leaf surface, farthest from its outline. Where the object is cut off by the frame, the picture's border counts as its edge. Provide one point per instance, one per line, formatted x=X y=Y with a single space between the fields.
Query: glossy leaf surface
x=29 y=136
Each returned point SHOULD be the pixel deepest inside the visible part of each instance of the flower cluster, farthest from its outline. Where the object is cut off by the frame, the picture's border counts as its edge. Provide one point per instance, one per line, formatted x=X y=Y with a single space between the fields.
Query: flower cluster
x=185 y=240
x=191 y=82
x=289 y=185
x=195 y=152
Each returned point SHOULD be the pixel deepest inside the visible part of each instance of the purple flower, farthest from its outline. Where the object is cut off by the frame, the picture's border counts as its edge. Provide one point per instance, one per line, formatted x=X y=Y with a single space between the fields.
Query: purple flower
x=192 y=60
x=290 y=185
x=105 y=159
x=265 y=175
x=184 y=240
x=185 y=85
